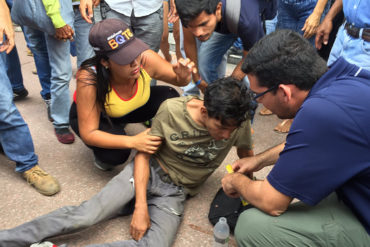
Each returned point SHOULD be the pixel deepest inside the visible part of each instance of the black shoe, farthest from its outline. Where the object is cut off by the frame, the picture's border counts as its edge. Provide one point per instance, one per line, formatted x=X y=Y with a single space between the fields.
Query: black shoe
x=20 y=94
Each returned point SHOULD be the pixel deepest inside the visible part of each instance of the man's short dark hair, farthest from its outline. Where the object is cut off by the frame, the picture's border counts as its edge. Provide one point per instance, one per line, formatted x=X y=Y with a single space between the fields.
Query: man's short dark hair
x=284 y=57
x=188 y=10
x=229 y=101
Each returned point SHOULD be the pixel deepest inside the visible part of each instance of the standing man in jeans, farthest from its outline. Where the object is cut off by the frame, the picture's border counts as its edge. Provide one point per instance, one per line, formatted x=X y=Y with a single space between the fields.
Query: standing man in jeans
x=66 y=20
x=15 y=137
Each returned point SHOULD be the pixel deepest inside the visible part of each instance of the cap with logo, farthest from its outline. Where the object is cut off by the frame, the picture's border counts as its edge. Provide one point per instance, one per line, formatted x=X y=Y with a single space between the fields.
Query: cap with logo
x=114 y=38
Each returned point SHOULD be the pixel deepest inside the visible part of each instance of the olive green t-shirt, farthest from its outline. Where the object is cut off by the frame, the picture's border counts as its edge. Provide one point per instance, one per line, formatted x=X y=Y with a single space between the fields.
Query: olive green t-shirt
x=188 y=151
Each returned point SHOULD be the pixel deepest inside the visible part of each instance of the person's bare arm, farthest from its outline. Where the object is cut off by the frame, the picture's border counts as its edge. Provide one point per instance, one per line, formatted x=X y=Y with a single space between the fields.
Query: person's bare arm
x=190 y=48
x=238 y=73
x=259 y=193
x=86 y=9
x=89 y=118
x=313 y=21
x=178 y=74
x=255 y=163
x=324 y=29
x=140 y=221
x=6 y=28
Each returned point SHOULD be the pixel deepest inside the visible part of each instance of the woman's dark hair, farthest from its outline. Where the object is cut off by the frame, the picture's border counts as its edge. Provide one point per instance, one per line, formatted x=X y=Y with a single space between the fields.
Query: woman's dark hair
x=229 y=101
x=284 y=57
x=188 y=10
x=97 y=76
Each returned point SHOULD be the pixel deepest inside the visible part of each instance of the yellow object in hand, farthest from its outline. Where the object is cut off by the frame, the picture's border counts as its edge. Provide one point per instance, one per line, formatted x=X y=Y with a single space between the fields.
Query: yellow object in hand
x=229 y=169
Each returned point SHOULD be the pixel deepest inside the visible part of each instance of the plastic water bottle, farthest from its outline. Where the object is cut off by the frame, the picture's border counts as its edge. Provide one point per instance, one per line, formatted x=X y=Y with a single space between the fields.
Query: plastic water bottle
x=221 y=233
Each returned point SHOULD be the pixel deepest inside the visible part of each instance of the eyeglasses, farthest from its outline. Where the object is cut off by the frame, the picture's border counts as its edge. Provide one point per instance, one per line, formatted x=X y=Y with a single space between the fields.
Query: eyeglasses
x=257 y=95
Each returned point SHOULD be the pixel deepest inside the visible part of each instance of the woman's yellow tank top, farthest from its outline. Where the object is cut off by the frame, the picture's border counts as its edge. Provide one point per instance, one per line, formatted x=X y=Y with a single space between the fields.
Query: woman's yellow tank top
x=116 y=107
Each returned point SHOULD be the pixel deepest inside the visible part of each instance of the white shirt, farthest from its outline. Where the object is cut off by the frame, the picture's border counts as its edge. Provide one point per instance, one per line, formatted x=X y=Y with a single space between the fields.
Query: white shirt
x=140 y=7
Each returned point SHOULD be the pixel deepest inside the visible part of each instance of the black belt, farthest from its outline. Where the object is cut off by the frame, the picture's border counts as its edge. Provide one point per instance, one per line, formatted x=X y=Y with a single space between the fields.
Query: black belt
x=355 y=32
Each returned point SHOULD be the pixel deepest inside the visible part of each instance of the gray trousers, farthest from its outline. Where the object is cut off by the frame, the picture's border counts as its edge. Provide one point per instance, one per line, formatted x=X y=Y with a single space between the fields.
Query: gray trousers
x=165 y=204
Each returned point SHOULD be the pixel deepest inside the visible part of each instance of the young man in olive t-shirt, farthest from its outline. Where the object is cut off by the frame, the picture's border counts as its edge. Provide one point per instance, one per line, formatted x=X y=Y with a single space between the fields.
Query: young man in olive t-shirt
x=196 y=137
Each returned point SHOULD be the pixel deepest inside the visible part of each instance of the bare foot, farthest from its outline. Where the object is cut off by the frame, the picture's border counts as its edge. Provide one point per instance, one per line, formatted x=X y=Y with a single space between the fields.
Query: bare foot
x=265 y=112
x=284 y=126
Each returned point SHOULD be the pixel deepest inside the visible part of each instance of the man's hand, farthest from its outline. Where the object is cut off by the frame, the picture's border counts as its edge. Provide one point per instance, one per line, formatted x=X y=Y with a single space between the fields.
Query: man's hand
x=202 y=86
x=140 y=222
x=183 y=69
x=323 y=32
x=228 y=186
x=86 y=9
x=64 y=33
x=311 y=24
x=247 y=165
x=6 y=29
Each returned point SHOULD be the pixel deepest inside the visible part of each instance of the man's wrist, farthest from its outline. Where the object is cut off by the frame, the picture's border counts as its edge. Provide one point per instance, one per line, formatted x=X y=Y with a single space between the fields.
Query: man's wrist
x=197 y=83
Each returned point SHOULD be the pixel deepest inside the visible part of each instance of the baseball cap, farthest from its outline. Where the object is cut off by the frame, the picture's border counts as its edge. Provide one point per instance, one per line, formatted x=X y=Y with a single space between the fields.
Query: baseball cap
x=114 y=38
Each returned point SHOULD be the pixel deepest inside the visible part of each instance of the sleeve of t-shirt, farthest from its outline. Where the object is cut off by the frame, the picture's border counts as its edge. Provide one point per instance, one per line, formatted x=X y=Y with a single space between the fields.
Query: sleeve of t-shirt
x=244 y=136
x=158 y=120
x=250 y=28
x=52 y=8
x=320 y=149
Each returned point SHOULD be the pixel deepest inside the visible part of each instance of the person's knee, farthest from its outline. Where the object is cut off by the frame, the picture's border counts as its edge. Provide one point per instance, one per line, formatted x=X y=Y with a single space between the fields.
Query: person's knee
x=251 y=226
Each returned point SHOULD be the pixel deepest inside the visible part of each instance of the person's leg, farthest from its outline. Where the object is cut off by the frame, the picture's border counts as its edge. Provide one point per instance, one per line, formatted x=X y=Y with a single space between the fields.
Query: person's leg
x=286 y=18
x=330 y=223
x=210 y=55
x=37 y=44
x=14 y=73
x=166 y=206
x=15 y=136
x=106 y=204
x=304 y=10
x=103 y=156
x=83 y=48
x=61 y=73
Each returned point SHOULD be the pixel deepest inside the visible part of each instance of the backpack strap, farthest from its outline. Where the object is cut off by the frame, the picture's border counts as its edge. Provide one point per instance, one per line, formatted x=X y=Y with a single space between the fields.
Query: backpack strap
x=232 y=15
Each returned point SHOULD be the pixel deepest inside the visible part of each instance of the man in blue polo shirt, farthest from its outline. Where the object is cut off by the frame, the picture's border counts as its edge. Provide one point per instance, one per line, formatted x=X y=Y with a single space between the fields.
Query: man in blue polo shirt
x=217 y=24
x=325 y=161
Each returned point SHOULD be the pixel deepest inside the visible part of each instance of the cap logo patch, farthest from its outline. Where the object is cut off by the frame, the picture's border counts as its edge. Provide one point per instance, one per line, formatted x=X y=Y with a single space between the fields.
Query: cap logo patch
x=119 y=38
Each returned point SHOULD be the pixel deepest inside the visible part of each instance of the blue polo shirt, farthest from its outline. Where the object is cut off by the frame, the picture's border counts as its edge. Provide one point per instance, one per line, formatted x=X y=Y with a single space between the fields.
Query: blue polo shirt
x=250 y=28
x=328 y=146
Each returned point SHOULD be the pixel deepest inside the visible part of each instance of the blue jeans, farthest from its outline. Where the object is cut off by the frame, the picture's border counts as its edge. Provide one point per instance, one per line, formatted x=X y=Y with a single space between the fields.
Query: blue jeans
x=61 y=68
x=15 y=136
x=355 y=51
x=271 y=25
x=13 y=68
x=37 y=44
x=83 y=48
x=293 y=14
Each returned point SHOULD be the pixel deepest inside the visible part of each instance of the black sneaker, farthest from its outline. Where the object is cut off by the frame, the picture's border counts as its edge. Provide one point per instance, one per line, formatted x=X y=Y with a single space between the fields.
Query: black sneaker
x=20 y=94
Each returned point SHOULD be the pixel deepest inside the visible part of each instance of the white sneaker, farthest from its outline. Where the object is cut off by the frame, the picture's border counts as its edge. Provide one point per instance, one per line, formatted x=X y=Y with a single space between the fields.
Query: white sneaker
x=44 y=244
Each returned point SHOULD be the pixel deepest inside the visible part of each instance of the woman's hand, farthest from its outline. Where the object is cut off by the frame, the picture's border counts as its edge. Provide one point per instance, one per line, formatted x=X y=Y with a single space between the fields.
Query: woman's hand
x=183 y=70
x=144 y=142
